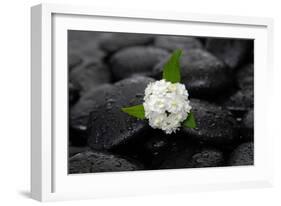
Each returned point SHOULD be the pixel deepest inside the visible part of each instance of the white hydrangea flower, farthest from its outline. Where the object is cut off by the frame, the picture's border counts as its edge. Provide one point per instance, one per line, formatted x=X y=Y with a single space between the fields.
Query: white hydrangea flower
x=166 y=105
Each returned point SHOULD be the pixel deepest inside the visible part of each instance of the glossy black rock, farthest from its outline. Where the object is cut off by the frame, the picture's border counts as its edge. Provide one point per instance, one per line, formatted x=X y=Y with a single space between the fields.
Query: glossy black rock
x=231 y=51
x=136 y=60
x=73 y=61
x=90 y=76
x=91 y=161
x=215 y=126
x=90 y=101
x=172 y=43
x=240 y=101
x=73 y=92
x=117 y=41
x=203 y=74
x=247 y=128
x=110 y=127
x=245 y=76
x=206 y=158
x=242 y=155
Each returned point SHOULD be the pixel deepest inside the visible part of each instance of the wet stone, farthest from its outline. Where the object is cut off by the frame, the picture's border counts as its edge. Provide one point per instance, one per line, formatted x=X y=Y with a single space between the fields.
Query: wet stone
x=117 y=41
x=133 y=88
x=85 y=45
x=172 y=43
x=215 y=125
x=245 y=77
x=78 y=135
x=232 y=51
x=73 y=92
x=240 y=101
x=73 y=150
x=83 y=36
x=90 y=101
x=193 y=156
x=207 y=158
x=203 y=74
x=247 y=128
x=90 y=76
x=180 y=159
x=136 y=60
x=242 y=155
x=91 y=161
x=73 y=61
x=108 y=126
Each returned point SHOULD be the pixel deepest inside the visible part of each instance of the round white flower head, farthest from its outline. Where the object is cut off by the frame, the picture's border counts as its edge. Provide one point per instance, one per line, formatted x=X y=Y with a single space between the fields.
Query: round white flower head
x=166 y=105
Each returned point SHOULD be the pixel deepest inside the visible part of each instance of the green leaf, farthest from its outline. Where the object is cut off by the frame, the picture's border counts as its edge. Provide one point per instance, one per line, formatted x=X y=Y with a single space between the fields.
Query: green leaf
x=190 y=121
x=171 y=71
x=135 y=111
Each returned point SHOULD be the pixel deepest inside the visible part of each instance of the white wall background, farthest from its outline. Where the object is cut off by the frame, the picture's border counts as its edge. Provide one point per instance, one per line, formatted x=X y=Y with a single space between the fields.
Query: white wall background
x=15 y=101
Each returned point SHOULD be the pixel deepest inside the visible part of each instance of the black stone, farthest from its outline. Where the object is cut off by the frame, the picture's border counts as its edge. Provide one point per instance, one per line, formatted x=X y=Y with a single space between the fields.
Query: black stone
x=73 y=150
x=172 y=43
x=83 y=36
x=91 y=161
x=133 y=88
x=151 y=149
x=240 y=101
x=232 y=51
x=247 y=133
x=110 y=127
x=74 y=93
x=117 y=41
x=245 y=77
x=180 y=159
x=136 y=60
x=79 y=113
x=90 y=76
x=73 y=61
x=215 y=126
x=242 y=155
x=193 y=156
x=206 y=158
x=203 y=74
x=78 y=135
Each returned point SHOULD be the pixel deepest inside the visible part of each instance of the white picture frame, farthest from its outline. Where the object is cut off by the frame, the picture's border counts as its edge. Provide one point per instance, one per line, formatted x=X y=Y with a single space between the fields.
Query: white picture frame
x=49 y=178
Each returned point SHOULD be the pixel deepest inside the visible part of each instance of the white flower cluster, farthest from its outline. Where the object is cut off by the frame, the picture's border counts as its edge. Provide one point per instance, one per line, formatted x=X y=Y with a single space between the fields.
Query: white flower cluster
x=166 y=105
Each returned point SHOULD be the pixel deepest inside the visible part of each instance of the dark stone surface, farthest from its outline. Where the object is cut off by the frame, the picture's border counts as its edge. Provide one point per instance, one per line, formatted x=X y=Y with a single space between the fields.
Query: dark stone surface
x=232 y=51
x=249 y=120
x=79 y=113
x=151 y=148
x=193 y=156
x=91 y=161
x=202 y=73
x=136 y=60
x=180 y=159
x=215 y=126
x=73 y=92
x=73 y=150
x=207 y=158
x=90 y=76
x=78 y=135
x=110 y=127
x=85 y=45
x=133 y=88
x=240 y=101
x=242 y=155
x=247 y=128
x=117 y=41
x=172 y=43
x=245 y=77
x=73 y=61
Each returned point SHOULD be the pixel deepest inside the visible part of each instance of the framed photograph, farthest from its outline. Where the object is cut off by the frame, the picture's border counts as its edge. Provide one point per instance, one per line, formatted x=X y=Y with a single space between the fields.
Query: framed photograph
x=134 y=102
